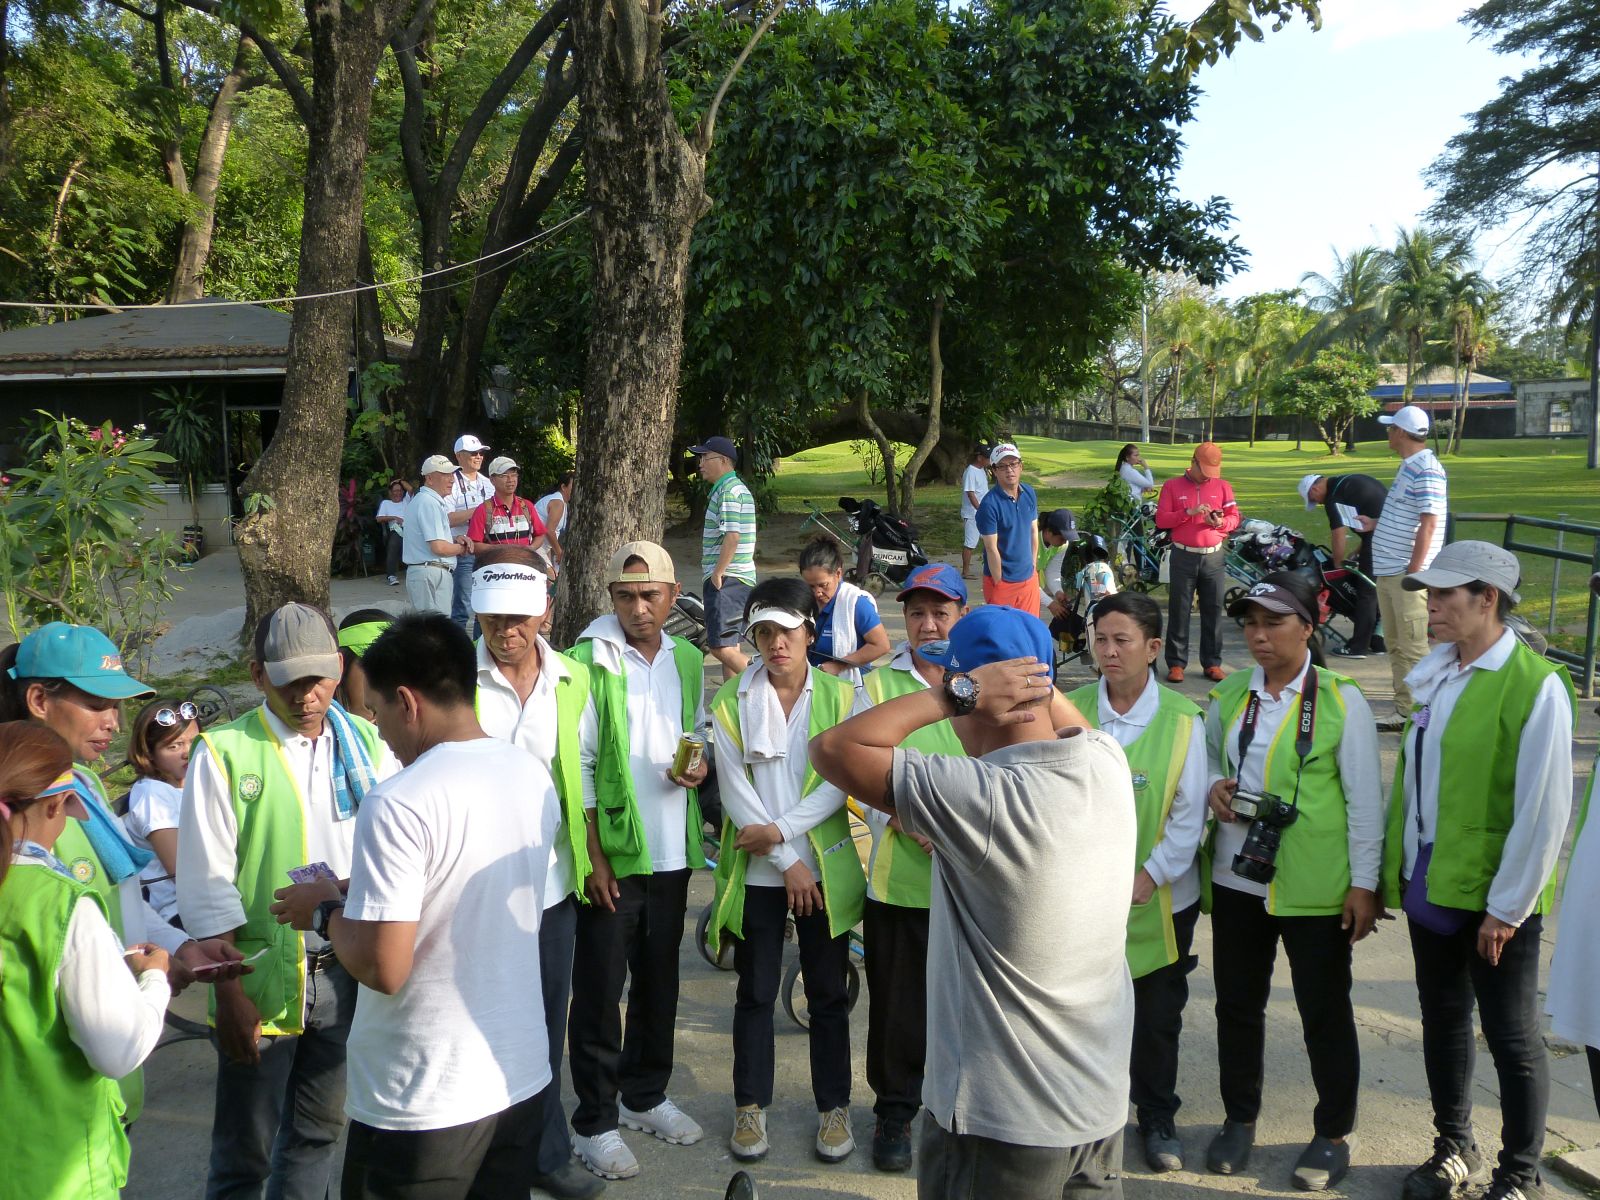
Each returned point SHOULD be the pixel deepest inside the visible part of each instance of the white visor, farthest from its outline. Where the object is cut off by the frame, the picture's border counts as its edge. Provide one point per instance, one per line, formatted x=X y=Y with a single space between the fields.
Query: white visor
x=509 y=590
x=787 y=618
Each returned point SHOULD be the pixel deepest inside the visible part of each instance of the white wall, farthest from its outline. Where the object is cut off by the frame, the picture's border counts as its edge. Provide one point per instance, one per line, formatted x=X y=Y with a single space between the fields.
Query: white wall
x=174 y=513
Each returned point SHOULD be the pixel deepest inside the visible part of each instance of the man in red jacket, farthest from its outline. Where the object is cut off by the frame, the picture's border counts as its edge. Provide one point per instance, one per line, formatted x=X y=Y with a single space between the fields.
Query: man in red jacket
x=1198 y=507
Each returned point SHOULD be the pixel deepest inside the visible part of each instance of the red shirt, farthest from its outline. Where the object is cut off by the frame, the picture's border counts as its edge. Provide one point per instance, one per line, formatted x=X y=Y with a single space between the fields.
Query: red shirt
x=494 y=523
x=1180 y=494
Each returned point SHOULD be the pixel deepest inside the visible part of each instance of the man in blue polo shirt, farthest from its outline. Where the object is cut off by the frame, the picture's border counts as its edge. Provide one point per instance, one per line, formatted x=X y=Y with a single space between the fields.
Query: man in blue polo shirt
x=1008 y=527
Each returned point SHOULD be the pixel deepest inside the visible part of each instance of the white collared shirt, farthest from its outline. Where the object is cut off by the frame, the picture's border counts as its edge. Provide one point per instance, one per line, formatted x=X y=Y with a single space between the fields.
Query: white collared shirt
x=532 y=726
x=1364 y=797
x=1543 y=798
x=1173 y=860
x=770 y=793
x=208 y=833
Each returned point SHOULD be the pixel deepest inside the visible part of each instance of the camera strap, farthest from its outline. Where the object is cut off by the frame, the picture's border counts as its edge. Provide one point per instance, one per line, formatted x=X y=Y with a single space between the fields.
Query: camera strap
x=1303 y=733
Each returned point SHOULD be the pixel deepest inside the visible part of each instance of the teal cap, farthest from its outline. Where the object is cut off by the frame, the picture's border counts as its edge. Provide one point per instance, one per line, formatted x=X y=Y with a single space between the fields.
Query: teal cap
x=79 y=654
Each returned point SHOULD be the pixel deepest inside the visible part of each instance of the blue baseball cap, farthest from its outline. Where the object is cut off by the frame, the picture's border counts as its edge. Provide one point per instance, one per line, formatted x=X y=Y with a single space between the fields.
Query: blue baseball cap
x=941 y=578
x=79 y=654
x=717 y=445
x=991 y=634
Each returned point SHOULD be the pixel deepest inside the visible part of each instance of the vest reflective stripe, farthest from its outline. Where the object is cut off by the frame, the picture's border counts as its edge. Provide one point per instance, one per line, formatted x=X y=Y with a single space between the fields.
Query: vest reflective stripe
x=617 y=821
x=1156 y=758
x=900 y=870
x=62 y=1118
x=1313 y=875
x=843 y=884
x=1477 y=769
x=269 y=811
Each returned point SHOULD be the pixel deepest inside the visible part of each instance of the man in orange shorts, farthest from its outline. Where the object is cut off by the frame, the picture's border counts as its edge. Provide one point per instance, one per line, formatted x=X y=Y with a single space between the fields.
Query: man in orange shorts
x=1008 y=528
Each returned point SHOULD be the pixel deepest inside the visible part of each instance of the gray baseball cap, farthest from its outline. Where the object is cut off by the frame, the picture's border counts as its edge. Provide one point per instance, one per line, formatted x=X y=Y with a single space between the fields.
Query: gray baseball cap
x=1461 y=563
x=300 y=643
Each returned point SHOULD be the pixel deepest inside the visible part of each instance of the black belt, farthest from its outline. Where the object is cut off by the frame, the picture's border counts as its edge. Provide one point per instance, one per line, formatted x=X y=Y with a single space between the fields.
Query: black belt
x=318 y=961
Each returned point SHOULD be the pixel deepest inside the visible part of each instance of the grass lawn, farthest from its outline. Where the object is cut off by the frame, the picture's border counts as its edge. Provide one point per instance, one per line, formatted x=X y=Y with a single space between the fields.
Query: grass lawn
x=1528 y=476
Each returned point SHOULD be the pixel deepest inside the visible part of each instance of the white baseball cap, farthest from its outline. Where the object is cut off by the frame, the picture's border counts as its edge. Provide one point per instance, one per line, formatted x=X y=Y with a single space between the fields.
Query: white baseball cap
x=437 y=464
x=503 y=464
x=784 y=617
x=1461 y=563
x=1307 y=482
x=1410 y=418
x=510 y=589
x=469 y=443
x=1002 y=452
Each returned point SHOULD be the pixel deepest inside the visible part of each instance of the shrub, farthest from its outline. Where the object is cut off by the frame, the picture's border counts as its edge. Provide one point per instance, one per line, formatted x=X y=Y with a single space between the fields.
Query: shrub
x=542 y=452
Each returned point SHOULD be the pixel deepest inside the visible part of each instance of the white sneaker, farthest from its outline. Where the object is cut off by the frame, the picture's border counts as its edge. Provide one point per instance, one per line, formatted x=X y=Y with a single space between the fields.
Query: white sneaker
x=606 y=1154
x=835 y=1141
x=749 y=1140
x=393 y=582
x=666 y=1120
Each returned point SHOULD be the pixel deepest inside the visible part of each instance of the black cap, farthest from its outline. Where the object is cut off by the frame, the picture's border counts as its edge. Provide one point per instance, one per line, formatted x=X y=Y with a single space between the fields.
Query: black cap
x=1272 y=598
x=1062 y=523
x=717 y=445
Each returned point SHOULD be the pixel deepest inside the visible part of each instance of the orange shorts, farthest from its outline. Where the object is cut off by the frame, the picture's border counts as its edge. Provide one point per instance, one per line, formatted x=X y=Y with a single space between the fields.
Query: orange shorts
x=1023 y=595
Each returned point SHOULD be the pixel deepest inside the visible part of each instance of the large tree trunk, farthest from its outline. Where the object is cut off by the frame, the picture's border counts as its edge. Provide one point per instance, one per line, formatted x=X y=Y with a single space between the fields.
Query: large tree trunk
x=908 y=477
x=886 y=454
x=194 y=238
x=285 y=544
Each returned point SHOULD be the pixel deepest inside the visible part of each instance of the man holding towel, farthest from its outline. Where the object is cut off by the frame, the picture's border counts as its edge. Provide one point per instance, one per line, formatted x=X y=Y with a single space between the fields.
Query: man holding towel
x=267 y=794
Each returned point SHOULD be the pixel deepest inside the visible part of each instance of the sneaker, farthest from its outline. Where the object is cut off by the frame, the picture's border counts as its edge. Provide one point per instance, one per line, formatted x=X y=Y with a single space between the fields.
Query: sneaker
x=834 y=1139
x=891 y=1144
x=1502 y=1189
x=606 y=1154
x=1346 y=652
x=666 y=1120
x=1322 y=1164
x=1229 y=1152
x=1214 y=674
x=1393 y=723
x=1162 y=1150
x=749 y=1140
x=1175 y=675
x=1448 y=1173
x=393 y=582
x=569 y=1181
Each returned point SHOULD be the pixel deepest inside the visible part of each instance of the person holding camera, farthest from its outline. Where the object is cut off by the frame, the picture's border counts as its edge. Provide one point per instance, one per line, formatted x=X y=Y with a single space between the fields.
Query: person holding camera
x=1295 y=856
x=1163 y=735
x=1482 y=792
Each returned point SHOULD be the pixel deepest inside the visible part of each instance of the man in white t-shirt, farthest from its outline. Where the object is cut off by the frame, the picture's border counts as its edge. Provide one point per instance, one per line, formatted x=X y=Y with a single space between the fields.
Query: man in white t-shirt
x=441 y=930
x=974 y=483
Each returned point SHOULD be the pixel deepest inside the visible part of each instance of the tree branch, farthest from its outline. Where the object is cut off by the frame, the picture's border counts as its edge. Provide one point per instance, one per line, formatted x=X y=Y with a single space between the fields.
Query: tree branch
x=413 y=116
x=708 y=123
x=281 y=67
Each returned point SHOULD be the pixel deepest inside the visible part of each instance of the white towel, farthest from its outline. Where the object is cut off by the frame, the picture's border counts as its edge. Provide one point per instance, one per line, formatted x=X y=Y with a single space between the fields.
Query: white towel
x=846 y=639
x=609 y=642
x=761 y=719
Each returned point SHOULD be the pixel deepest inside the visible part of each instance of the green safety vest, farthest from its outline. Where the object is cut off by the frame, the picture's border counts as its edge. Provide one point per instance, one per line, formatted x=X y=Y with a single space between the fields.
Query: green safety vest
x=572 y=693
x=902 y=871
x=63 y=1118
x=1477 y=769
x=76 y=853
x=1313 y=876
x=843 y=884
x=1046 y=555
x=270 y=814
x=617 y=821
x=1156 y=758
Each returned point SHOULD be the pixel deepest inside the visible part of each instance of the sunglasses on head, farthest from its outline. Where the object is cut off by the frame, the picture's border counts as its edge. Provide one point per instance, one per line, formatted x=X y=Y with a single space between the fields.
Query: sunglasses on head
x=168 y=717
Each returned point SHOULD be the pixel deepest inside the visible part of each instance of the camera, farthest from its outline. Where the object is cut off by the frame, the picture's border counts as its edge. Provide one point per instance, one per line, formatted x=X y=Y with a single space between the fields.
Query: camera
x=1269 y=817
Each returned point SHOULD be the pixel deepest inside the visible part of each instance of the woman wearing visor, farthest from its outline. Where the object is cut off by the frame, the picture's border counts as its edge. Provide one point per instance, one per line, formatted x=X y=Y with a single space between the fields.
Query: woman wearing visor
x=76 y=1013
x=1482 y=792
x=1294 y=857
x=786 y=847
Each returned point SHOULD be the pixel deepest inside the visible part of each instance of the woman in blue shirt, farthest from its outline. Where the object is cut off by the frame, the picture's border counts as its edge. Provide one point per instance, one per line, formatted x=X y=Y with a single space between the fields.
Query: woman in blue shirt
x=850 y=634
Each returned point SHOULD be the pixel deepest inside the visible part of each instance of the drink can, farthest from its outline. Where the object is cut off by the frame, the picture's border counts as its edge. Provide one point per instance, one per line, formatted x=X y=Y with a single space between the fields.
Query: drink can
x=691 y=752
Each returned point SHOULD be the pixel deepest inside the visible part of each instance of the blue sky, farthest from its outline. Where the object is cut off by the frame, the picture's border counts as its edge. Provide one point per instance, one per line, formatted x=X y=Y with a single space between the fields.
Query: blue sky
x=1320 y=139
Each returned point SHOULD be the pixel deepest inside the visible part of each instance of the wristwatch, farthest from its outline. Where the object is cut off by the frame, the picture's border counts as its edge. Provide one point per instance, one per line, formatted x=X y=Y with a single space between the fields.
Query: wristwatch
x=319 y=919
x=962 y=690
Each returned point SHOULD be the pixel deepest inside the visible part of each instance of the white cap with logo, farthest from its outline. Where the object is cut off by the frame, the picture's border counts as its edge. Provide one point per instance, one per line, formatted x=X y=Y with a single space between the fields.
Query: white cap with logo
x=470 y=444
x=1412 y=419
x=1002 y=452
x=437 y=464
x=1307 y=482
x=510 y=589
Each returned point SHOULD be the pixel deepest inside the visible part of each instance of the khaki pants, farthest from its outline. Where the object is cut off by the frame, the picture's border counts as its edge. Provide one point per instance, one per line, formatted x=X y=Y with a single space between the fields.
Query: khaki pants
x=1405 y=631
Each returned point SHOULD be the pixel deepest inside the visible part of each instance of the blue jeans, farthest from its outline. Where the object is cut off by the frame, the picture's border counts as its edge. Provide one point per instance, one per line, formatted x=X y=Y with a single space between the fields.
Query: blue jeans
x=461 y=600
x=276 y=1123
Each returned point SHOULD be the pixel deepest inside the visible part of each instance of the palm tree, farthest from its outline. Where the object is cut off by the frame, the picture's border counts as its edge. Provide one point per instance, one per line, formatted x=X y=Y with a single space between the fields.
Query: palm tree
x=1218 y=349
x=1419 y=268
x=1352 y=302
x=1467 y=303
x=1180 y=318
x=1272 y=324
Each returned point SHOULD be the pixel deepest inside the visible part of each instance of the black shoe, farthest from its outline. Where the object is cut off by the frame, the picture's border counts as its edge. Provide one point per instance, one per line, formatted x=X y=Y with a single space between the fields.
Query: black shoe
x=1449 y=1172
x=1163 y=1151
x=1322 y=1164
x=1229 y=1152
x=1347 y=652
x=570 y=1182
x=1502 y=1189
x=891 y=1145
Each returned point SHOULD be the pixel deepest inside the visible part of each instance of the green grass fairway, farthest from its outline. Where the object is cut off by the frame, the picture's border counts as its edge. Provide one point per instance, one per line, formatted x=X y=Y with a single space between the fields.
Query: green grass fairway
x=1533 y=477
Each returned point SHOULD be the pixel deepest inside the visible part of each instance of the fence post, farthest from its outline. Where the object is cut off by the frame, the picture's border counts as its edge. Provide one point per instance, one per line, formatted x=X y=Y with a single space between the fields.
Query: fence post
x=1555 y=576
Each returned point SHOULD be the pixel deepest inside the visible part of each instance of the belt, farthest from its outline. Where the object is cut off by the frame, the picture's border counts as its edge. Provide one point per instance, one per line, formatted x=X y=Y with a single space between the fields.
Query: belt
x=1198 y=549
x=318 y=961
x=443 y=566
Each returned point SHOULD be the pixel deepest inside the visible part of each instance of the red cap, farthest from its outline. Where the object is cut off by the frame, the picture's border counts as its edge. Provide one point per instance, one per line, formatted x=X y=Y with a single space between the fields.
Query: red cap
x=1208 y=457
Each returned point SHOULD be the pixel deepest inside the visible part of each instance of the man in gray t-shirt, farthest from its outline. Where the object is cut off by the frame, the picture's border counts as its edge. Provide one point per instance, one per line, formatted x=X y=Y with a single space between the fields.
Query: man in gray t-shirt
x=1030 y=1013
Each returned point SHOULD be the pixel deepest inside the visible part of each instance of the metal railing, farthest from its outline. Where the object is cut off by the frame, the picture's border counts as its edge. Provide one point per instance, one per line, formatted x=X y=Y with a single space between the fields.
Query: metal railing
x=1585 y=678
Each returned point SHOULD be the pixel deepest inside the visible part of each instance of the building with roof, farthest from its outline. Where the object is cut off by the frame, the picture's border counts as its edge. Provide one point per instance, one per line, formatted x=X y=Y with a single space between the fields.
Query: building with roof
x=1491 y=402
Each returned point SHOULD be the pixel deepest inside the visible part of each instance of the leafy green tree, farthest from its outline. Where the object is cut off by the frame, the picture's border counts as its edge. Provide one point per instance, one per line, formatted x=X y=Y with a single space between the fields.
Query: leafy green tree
x=1352 y=302
x=1420 y=268
x=1333 y=390
x=1272 y=324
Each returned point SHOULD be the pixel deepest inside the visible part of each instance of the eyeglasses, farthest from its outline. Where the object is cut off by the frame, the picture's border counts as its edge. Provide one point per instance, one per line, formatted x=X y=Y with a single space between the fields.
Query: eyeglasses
x=168 y=717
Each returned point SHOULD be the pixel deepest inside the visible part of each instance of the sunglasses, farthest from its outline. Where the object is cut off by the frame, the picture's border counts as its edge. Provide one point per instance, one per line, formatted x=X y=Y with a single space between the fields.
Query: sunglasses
x=168 y=717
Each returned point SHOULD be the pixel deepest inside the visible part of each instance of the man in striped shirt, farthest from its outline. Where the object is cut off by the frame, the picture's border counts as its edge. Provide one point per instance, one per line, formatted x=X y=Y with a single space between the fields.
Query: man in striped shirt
x=727 y=552
x=1405 y=539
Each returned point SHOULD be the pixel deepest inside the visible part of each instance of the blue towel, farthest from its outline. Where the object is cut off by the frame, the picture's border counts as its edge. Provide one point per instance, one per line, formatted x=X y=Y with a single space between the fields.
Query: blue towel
x=117 y=854
x=353 y=774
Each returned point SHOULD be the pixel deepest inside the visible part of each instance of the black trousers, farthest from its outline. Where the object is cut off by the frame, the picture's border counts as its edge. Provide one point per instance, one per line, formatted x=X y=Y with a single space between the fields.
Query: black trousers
x=953 y=1166
x=1450 y=976
x=491 y=1158
x=1365 y=618
x=1158 y=1000
x=1244 y=941
x=897 y=1007
x=557 y=928
x=392 y=543
x=758 y=958
x=1594 y=1074
x=640 y=939
x=1188 y=574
